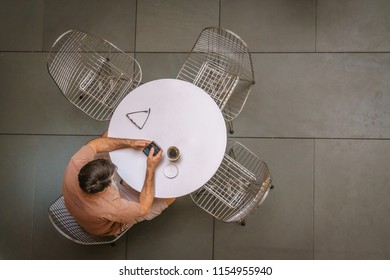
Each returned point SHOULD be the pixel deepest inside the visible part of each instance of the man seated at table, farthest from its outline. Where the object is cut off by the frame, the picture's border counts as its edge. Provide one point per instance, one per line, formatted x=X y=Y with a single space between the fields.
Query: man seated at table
x=93 y=197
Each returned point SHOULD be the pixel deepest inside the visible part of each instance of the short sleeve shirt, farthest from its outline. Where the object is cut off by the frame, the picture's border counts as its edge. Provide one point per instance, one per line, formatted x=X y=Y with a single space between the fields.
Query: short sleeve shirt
x=102 y=213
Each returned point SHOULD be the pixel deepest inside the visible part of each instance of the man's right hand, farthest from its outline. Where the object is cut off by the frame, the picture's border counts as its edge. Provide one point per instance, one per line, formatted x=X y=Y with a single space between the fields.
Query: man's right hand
x=153 y=161
x=147 y=193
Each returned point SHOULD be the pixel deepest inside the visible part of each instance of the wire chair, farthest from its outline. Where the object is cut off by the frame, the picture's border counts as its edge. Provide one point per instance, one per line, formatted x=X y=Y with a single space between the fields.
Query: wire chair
x=221 y=64
x=238 y=188
x=92 y=73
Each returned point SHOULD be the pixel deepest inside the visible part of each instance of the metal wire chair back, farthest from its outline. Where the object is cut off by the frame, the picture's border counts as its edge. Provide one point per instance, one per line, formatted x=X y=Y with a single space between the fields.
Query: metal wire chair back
x=92 y=73
x=68 y=226
x=221 y=64
x=239 y=186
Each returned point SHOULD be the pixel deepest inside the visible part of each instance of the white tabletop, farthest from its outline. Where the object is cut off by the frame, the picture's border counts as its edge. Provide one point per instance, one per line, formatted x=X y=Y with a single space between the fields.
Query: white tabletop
x=182 y=115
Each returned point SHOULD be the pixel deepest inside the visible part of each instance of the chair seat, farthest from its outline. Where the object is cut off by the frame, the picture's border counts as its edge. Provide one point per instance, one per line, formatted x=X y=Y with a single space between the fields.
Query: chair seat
x=103 y=85
x=69 y=228
x=238 y=188
x=220 y=63
x=231 y=182
x=92 y=73
x=218 y=83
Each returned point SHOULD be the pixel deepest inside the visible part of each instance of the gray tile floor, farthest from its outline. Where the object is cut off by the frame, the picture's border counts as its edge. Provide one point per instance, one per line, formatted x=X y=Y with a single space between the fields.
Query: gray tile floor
x=319 y=115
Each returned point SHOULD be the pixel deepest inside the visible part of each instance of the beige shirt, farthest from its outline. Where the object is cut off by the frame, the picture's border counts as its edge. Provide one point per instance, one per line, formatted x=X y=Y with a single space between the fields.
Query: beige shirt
x=102 y=213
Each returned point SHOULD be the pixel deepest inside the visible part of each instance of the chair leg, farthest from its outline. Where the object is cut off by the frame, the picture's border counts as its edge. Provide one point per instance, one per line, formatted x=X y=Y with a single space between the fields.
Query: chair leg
x=230 y=126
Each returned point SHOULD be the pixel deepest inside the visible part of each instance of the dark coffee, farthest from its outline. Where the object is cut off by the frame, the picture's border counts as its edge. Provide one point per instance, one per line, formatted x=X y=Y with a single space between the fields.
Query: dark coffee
x=172 y=153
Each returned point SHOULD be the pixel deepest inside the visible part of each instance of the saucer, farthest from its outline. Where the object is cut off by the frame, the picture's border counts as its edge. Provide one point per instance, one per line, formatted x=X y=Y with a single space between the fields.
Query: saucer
x=171 y=171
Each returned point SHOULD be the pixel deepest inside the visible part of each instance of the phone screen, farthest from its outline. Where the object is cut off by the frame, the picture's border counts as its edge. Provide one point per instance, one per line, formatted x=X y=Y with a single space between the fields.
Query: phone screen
x=149 y=147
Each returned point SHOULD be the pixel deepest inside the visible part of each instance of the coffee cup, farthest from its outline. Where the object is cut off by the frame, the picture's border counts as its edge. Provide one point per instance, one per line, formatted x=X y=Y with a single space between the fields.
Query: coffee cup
x=173 y=153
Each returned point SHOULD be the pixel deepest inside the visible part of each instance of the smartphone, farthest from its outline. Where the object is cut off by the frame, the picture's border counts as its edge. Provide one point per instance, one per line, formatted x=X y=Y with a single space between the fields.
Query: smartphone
x=149 y=147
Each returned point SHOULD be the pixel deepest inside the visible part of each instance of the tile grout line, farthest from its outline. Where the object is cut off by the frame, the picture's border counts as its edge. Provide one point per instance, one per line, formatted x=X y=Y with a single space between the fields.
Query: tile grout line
x=314 y=187
x=243 y=137
x=135 y=29
x=219 y=13
x=252 y=52
x=43 y=26
x=310 y=138
x=33 y=198
x=313 y=195
x=315 y=27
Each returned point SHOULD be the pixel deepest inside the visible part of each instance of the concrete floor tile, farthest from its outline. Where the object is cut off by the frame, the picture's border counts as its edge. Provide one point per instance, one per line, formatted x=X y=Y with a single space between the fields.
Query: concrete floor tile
x=21 y=25
x=160 y=65
x=104 y=19
x=31 y=103
x=352 y=198
x=272 y=26
x=173 y=25
x=282 y=227
x=183 y=232
x=353 y=26
x=318 y=96
x=18 y=173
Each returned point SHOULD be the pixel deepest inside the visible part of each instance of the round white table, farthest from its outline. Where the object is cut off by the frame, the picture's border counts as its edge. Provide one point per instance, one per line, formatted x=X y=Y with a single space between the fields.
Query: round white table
x=181 y=115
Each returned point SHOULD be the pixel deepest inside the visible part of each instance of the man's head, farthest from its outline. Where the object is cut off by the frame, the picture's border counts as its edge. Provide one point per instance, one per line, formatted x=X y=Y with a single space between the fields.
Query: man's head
x=96 y=175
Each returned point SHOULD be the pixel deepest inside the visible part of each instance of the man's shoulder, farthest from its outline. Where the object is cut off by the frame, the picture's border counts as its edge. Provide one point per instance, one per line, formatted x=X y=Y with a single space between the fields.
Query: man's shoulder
x=83 y=156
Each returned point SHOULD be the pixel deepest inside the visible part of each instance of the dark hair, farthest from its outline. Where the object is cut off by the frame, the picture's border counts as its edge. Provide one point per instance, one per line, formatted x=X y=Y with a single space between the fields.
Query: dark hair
x=95 y=176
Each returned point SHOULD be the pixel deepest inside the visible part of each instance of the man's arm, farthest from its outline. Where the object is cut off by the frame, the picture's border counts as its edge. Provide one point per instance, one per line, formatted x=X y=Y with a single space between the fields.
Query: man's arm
x=147 y=193
x=108 y=144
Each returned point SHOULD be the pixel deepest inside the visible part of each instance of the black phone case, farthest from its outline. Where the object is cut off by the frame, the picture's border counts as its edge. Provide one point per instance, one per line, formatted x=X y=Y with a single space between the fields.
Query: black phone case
x=149 y=147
